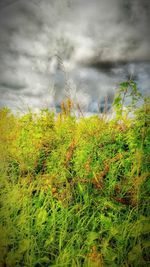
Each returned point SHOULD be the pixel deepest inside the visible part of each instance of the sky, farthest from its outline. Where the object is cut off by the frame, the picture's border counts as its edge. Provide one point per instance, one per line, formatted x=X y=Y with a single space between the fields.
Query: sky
x=51 y=48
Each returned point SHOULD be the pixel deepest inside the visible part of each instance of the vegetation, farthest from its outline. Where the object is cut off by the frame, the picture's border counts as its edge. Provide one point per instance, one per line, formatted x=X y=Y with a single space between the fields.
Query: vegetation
x=76 y=192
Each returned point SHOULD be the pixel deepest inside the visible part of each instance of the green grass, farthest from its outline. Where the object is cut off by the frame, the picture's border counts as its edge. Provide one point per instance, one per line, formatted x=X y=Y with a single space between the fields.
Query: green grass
x=74 y=192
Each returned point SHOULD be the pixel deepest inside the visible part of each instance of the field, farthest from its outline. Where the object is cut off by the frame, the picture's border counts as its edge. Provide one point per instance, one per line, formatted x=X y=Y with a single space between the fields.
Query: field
x=76 y=192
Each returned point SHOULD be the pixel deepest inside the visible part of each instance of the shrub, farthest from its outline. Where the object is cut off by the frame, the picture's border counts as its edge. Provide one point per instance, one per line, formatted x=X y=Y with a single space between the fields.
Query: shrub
x=76 y=192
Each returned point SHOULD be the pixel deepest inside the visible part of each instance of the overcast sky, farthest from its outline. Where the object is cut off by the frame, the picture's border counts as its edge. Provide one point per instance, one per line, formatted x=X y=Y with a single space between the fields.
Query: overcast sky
x=82 y=33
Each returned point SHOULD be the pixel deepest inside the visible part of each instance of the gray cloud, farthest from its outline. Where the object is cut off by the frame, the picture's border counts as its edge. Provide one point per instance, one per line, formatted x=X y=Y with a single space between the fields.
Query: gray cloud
x=97 y=40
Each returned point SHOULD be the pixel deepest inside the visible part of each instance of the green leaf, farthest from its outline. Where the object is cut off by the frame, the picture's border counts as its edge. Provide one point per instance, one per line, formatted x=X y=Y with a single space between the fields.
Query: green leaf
x=106 y=221
x=117 y=100
x=146 y=244
x=81 y=188
x=124 y=84
x=41 y=217
x=135 y=254
x=142 y=226
x=24 y=245
x=92 y=236
x=110 y=255
x=42 y=260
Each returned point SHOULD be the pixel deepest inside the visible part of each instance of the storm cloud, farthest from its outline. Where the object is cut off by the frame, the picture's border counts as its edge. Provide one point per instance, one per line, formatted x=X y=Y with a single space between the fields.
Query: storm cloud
x=87 y=46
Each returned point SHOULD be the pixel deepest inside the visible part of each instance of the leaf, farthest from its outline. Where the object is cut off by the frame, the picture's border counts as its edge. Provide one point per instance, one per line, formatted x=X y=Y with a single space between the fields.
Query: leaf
x=106 y=221
x=49 y=241
x=24 y=246
x=114 y=231
x=124 y=84
x=12 y=258
x=92 y=236
x=110 y=255
x=146 y=228
x=81 y=190
x=41 y=217
x=135 y=254
x=97 y=263
x=146 y=244
x=44 y=259
x=117 y=100
x=142 y=226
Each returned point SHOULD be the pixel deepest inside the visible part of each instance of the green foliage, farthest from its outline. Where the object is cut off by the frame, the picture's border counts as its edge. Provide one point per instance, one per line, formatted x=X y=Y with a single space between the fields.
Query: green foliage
x=127 y=90
x=76 y=192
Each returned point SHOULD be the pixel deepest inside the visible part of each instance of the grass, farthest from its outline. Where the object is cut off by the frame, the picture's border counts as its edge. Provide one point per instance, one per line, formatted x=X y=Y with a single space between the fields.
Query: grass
x=76 y=192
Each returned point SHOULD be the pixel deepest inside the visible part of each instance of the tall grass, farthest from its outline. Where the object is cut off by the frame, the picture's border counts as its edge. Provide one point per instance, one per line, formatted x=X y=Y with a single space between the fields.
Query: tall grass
x=76 y=192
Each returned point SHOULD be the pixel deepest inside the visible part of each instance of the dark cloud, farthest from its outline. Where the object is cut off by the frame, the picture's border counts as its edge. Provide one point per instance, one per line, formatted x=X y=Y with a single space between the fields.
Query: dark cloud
x=98 y=35
x=11 y=85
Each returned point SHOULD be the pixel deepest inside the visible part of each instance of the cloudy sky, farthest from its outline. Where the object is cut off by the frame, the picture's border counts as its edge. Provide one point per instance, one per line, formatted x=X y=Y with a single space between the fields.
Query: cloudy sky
x=51 y=47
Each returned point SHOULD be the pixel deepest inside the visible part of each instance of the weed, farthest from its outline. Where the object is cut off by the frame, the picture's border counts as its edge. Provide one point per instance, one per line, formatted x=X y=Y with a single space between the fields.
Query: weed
x=75 y=192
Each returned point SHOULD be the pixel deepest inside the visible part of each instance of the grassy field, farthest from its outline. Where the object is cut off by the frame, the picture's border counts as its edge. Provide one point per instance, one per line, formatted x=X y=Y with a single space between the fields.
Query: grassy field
x=76 y=192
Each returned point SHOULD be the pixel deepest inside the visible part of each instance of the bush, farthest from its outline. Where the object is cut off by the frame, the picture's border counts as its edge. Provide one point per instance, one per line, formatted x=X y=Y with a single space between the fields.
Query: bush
x=76 y=192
